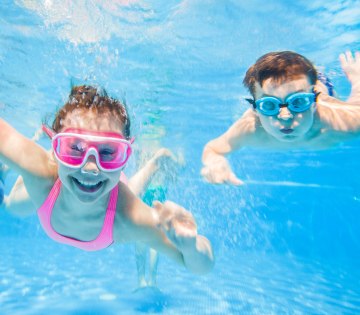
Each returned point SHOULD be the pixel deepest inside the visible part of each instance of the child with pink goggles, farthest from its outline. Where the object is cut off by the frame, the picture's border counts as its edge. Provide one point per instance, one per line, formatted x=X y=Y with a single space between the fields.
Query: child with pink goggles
x=73 y=147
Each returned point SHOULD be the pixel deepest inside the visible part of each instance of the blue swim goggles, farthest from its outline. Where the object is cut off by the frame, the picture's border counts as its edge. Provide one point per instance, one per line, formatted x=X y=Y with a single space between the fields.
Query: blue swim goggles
x=270 y=105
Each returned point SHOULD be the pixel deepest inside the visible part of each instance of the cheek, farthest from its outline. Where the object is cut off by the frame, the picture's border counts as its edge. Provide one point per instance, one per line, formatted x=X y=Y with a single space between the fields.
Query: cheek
x=114 y=176
x=268 y=121
x=306 y=119
x=64 y=171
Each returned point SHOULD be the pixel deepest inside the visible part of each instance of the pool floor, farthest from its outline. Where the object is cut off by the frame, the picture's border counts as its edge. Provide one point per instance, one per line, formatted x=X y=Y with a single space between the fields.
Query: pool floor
x=39 y=276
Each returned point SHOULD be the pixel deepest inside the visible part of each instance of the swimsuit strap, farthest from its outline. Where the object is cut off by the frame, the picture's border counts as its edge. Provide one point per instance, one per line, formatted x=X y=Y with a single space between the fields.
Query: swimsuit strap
x=105 y=237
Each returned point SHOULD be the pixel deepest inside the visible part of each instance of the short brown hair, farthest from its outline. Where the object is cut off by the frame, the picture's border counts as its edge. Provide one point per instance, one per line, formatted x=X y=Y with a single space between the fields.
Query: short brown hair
x=91 y=98
x=281 y=65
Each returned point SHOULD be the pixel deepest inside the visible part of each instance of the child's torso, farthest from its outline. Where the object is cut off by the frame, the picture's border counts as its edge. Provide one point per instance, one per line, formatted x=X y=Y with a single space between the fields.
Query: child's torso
x=84 y=226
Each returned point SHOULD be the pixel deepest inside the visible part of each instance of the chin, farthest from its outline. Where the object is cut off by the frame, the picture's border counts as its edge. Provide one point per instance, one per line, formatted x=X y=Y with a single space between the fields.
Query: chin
x=289 y=138
x=286 y=138
x=87 y=199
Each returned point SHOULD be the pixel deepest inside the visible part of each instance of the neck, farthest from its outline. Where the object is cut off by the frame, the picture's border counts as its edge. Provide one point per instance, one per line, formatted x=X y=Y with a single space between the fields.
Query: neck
x=70 y=202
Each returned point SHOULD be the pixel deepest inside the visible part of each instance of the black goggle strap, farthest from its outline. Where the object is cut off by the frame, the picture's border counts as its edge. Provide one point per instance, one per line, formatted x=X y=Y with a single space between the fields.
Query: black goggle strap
x=252 y=102
x=316 y=95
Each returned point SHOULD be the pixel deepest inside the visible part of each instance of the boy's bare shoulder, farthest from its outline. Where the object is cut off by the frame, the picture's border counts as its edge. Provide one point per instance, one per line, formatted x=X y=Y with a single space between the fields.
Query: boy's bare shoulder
x=245 y=125
x=337 y=116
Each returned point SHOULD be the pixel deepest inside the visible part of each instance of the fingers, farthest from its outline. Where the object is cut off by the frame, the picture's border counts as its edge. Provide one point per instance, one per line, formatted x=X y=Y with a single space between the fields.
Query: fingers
x=167 y=211
x=164 y=152
x=343 y=60
x=214 y=177
x=349 y=56
x=157 y=205
x=175 y=220
x=351 y=66
x=357 y=56
x=234 y=180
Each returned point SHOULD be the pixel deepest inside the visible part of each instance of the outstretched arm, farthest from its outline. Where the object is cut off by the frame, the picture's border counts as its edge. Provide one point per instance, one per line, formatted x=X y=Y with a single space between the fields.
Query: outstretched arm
x=175 y=234
x=167 y=228
x=22 y=154
x=340 y=121
x=351 y=66
x=216 y=167
x=28 y=159
x=180 y=228
x=18 y=202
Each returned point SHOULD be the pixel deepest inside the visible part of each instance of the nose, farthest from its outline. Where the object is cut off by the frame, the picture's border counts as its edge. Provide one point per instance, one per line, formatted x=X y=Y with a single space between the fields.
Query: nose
x=285 y=114
x=90 y=167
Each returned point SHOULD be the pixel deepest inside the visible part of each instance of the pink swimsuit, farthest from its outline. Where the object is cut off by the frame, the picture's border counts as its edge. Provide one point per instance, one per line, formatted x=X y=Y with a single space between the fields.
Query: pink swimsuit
x=103 y=240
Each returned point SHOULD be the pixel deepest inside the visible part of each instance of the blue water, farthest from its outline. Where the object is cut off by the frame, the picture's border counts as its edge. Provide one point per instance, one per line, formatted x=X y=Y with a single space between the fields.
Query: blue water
x=288 y=242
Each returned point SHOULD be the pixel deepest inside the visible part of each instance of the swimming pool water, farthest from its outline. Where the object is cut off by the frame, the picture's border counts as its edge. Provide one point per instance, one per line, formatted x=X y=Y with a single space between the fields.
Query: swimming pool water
x=287 y=242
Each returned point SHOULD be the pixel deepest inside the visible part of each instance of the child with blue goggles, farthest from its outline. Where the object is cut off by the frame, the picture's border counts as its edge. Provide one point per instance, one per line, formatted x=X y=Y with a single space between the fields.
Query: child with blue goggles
x=292 y=107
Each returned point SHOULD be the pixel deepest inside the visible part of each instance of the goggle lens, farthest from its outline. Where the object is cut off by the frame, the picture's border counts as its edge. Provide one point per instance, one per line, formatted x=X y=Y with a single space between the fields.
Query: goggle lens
x=111 y=153
x=298 y=103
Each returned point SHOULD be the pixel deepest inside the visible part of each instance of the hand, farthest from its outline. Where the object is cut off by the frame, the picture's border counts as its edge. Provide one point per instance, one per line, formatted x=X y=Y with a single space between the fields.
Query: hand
x=177 y=224
x=170 y=164
x=162 y=156
x=351 y=66
x=219 y=172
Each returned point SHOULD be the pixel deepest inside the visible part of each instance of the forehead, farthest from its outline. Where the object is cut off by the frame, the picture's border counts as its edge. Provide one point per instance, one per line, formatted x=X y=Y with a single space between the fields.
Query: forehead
x=91 y=120
x=282 y=88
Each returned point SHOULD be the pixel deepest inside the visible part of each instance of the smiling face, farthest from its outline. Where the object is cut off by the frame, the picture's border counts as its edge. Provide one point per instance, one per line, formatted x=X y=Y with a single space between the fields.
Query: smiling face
x=286 y=126
x=88 y=183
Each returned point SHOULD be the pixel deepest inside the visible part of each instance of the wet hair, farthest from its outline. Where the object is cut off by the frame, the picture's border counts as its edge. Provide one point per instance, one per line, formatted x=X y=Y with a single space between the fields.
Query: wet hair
x=280 y=66
x=87 y=97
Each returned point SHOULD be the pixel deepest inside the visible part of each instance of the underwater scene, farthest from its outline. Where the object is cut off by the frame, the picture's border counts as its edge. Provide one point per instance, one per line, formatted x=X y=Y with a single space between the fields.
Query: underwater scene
x=287 y=241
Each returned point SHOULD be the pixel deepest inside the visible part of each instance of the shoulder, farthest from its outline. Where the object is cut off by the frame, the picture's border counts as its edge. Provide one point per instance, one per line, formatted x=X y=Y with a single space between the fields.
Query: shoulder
x=246 y=125
x=337 y=115
x=247 y=122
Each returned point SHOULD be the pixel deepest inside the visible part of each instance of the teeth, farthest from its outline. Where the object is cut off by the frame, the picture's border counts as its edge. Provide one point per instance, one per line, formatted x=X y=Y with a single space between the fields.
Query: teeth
x=88 y=184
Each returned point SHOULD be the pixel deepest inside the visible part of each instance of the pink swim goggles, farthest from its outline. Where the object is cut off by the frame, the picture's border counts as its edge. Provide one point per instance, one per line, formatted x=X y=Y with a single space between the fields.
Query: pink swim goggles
x=73 y=147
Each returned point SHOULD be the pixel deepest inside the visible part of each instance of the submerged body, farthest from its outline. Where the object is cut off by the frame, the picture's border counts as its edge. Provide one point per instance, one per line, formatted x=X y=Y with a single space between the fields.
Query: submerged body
x=284 y=116
x=79 y=209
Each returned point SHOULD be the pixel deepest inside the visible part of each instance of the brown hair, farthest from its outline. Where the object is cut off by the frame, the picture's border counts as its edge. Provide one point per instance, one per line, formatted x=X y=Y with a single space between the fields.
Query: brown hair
x=282 y=65
x=90 y=98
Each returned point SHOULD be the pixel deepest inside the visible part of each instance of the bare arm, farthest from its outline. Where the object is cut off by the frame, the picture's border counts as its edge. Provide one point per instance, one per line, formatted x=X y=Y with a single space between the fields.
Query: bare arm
x=28 y=159
x=22 y=154
x=169 y=229
x=216 y=167
x=340 y=121
x=18 y=202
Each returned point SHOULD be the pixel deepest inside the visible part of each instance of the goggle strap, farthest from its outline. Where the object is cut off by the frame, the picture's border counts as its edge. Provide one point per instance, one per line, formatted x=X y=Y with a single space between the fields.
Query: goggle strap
x=49 y=132
x=251 y=101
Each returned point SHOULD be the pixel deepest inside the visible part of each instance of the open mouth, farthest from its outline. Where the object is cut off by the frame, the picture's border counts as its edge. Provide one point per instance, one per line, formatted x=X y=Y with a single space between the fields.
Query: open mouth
x=287 y=131
x=87 y=186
